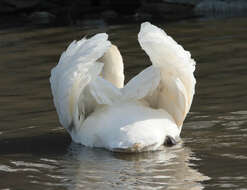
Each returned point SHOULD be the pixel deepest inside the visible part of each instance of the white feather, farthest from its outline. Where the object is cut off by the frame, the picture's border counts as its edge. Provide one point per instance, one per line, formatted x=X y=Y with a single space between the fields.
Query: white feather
x=75 y=69
x=98 y=111
x=142 y=85
x=177 y=84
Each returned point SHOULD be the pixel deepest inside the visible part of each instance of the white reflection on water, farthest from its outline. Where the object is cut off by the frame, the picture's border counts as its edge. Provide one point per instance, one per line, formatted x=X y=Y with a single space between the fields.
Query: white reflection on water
x=170 y=168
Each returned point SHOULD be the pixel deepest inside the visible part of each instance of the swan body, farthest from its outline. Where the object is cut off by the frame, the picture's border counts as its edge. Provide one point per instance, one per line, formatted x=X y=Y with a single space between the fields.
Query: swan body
x=126 y=126
x=97 y=109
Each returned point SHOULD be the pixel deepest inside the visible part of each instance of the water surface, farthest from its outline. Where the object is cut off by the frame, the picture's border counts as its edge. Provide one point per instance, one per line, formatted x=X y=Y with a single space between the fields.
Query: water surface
x=36 y=153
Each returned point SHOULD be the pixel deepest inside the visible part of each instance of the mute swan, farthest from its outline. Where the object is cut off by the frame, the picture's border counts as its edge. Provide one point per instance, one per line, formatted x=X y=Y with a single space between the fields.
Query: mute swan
x=97 y=110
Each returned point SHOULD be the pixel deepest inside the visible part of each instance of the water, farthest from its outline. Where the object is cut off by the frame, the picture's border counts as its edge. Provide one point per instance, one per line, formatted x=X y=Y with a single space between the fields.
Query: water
x=36 y=153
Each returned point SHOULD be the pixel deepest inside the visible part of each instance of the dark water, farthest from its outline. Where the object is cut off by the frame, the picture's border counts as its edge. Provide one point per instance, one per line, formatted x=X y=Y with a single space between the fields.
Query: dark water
x=36 y=153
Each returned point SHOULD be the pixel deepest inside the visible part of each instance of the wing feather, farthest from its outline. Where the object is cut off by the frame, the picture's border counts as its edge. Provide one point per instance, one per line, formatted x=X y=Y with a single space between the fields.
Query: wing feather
x=76 y=68
x=142 y=85
x=177 y=85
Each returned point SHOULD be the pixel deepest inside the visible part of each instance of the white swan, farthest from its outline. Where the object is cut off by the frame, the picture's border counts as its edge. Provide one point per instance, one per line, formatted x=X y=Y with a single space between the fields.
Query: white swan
x=99 y=111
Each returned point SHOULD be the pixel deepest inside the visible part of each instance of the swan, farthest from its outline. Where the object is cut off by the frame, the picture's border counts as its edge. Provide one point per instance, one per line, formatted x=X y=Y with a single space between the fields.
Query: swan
x=98 y=110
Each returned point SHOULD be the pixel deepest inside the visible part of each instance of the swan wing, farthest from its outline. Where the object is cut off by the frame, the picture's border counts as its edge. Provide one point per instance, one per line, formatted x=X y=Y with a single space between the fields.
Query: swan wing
x=104 y=92
x=177 y=83
x=71 y=78
x=142 y=85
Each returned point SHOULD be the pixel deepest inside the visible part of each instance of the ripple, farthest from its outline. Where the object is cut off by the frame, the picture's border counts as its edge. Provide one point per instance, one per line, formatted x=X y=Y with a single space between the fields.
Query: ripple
x=239 y=157
x=241 y=112
x=169 y=168
x=30 y=164
x=5 y=168
x=46 y=183
x=48 y=160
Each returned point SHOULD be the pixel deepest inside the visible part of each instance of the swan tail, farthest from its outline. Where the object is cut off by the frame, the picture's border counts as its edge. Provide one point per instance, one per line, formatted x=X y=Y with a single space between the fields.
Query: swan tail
x=177 y=83
x=70 y=78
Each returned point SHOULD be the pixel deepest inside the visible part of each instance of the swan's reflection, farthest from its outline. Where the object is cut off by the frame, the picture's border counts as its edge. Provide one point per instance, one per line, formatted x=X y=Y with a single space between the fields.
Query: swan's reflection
x=99 y=169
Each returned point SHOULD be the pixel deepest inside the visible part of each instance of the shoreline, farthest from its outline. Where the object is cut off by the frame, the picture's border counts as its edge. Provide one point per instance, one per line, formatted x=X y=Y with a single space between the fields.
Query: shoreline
x=37 y=13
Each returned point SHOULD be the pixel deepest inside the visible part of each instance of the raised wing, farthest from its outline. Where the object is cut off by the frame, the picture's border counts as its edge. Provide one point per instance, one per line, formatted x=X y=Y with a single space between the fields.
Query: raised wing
x=177 y=83
x=104 y=91
x=142 y=85
x=75 y=82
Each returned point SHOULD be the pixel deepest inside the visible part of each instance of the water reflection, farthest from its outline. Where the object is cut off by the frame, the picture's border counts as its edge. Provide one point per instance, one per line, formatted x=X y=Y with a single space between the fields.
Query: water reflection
x=170 y=168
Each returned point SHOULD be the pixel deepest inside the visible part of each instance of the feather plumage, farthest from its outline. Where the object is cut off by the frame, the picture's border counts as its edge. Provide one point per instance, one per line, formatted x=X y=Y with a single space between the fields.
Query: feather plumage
x=98 y=111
